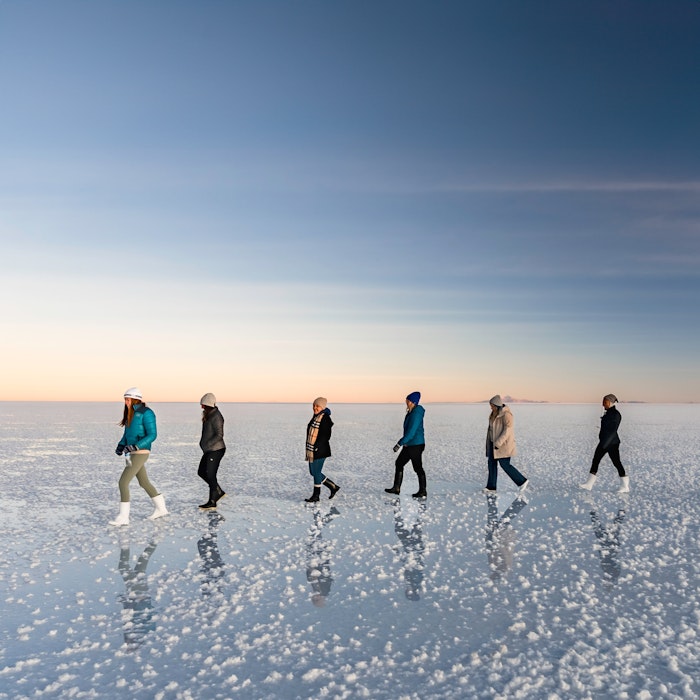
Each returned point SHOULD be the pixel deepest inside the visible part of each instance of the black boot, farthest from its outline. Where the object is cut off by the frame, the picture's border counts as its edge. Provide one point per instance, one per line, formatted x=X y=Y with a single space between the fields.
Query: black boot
x=220 y=493
x=209 y=504
x=421 y=493
x=398 y=479
x=333 y=488
x=315 y=495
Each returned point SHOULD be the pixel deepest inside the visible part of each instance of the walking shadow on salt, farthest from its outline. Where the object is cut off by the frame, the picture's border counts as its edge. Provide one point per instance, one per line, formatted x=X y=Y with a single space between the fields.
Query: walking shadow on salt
x=500 y=536
x=318 y=558
x=137 y=606
x=212 y=565
x=411 y=539
x=608 y=545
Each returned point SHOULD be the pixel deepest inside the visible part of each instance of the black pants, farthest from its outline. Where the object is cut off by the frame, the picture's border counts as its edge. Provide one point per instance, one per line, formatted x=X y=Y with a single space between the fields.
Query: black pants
x=413 y=454
x=208 y=467
x=614 y=453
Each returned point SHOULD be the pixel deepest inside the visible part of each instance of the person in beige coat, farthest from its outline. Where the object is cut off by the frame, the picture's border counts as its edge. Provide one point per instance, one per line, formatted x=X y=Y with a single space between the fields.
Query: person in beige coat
x=500 y=446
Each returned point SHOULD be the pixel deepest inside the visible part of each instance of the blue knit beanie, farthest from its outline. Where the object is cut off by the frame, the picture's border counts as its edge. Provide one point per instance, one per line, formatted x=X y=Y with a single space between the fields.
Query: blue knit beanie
x=414 y=397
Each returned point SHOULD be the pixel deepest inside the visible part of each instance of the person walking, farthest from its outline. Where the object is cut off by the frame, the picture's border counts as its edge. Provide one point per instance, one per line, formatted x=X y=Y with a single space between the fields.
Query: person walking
x=412 y=445
x=500 y=446
x=139 y=423
x=213 y=448
x=318 y=448
x=608 y=443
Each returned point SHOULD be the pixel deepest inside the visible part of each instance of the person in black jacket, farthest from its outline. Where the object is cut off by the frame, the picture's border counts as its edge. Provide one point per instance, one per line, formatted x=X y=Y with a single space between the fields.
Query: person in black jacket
x=213 y=447
x=318 y=447
x=608 y=443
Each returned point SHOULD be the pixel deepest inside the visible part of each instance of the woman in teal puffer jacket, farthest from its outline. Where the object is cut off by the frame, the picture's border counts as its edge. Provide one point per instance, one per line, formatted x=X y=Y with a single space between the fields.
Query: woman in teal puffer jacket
x=140 y=431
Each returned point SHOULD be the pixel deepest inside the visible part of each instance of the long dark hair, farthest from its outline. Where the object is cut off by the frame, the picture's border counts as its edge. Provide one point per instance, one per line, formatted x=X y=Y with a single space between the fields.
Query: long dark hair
x=129 y=412
x=206 y=412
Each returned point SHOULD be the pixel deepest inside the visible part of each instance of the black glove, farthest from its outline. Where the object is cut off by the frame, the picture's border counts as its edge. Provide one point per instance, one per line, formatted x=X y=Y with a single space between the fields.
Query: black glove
x=130 y=448
x=397 y=447
x=119 y=450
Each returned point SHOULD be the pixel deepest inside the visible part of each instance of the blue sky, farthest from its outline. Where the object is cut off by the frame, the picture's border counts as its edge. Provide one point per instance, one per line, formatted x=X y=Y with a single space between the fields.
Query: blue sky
x=276 y=200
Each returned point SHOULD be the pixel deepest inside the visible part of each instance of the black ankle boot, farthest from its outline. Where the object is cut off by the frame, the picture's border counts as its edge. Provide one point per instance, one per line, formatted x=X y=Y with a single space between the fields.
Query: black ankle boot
x=209 y=504
x=315 y=496
x=333 y=488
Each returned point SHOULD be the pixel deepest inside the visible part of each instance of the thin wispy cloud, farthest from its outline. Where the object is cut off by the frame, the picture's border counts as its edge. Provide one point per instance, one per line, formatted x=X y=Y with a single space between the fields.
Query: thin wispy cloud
x=612 y=186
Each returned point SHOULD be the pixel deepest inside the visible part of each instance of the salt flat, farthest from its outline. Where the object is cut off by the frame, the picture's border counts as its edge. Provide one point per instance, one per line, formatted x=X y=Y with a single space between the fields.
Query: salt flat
x=563 y=595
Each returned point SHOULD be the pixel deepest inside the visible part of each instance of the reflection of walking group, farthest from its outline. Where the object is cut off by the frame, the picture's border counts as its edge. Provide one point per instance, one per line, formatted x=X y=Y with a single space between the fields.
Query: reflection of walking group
x=139 y=423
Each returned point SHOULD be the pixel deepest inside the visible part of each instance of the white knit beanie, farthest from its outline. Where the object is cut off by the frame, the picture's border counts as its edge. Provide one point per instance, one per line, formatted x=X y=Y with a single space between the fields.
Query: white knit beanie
x=208 y=400
x=133 y=393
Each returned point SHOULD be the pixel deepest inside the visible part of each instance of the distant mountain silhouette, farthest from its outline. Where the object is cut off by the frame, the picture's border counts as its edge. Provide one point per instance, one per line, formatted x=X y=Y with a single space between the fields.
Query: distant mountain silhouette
x=509 y=399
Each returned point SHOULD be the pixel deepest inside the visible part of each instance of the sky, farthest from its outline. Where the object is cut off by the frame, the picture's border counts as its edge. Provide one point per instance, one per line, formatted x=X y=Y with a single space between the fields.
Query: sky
x=278 y=200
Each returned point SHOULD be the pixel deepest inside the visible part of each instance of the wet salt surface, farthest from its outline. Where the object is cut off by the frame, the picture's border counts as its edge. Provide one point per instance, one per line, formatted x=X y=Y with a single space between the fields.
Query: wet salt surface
x=565 y=595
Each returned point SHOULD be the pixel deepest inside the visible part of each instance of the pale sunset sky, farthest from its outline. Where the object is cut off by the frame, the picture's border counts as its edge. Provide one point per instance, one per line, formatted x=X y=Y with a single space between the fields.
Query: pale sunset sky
x=275 y=200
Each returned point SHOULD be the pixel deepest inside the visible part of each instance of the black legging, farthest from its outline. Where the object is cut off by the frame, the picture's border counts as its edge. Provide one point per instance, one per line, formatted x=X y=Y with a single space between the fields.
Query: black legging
x=614 y=452
x=413 y=454
x=208 y=467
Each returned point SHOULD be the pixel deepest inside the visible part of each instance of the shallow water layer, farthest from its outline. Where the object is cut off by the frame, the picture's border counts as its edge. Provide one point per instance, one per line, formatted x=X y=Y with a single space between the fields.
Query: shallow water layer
x=562 y=594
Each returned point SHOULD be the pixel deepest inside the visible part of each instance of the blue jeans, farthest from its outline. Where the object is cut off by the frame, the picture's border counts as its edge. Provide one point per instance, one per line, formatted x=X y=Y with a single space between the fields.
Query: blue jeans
x=507 y=467
x=316 y=470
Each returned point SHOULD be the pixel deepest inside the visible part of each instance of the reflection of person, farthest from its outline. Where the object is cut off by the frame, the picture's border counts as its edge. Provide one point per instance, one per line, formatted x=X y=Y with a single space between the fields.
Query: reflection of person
x=139 y=423
x=318 y=447
x=609 y=551
x=318 y=558
x=500 y=536
x=212 y=563
x=213 y=447
x=608 y=443
x=500 y=445
x=413 y=550
x=412 y=445
x=137 y=613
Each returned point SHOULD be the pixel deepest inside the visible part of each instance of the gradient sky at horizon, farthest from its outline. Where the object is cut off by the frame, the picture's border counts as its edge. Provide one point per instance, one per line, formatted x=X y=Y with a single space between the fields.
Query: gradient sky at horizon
x=276 y=200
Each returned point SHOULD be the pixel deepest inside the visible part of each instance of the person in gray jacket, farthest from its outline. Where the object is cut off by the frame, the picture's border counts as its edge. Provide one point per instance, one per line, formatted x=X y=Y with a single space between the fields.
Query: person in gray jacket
x=213 y=447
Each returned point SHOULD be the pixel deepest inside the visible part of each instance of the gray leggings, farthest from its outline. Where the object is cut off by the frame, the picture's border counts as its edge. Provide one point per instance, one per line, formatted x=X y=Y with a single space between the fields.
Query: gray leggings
x=136 y=467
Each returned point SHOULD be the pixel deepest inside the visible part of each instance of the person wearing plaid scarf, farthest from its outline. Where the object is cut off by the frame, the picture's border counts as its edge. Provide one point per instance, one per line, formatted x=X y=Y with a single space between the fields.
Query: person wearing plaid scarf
x=318 y=447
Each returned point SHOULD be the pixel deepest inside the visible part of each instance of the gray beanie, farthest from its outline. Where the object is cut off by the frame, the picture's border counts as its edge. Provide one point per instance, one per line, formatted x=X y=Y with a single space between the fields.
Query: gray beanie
x=321 y=401
x=497 y=401
x=610 y=397
x=208 y=400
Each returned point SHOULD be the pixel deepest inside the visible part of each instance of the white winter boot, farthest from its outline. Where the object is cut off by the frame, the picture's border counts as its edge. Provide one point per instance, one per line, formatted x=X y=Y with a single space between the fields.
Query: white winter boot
x=123 y=517
x=589 y=484
x=159 y=503
x=624 y=484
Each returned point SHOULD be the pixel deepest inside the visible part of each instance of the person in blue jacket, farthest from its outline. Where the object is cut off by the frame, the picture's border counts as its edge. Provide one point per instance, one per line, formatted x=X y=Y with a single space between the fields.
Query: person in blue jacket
x=411 y=445
x=139 y=423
